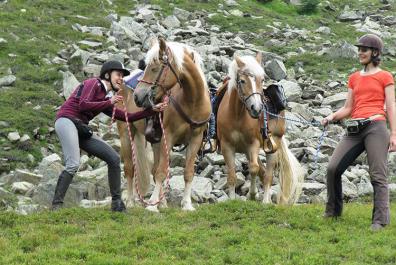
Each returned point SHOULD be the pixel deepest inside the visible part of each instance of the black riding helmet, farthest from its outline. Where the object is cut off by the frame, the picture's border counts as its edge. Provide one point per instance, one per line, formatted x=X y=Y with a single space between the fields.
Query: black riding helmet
x=109 y=66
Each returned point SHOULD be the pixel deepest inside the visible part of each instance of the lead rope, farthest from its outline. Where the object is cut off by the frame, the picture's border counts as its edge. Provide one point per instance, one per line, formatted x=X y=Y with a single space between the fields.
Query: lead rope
x=134 y=161
x=316 y=124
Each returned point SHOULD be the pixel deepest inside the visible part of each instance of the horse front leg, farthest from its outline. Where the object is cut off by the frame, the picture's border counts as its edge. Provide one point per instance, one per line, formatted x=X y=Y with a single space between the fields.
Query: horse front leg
x=191 y=153
x=229 y=158
x=161 y=170
x=254 y=168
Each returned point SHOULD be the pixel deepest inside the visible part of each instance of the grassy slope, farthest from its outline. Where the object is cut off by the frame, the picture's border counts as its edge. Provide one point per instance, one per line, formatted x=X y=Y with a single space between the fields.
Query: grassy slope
x=227 y=233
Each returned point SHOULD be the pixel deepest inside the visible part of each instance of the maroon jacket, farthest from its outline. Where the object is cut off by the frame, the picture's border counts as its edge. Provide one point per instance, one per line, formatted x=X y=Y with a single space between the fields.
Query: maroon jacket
x=90 y=100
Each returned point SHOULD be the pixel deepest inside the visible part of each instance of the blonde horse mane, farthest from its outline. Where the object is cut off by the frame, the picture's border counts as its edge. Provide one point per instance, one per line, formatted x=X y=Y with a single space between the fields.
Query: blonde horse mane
x=251 y=66
x=177 y=52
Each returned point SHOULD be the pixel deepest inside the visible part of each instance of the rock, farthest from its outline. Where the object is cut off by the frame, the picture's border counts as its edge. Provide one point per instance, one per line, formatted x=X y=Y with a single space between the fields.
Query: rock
x=231 y=3
x=24 y=138
x=348 y=15
x=177 y=183
x=177 y=160
x=7 y=80
x=25 y=176
x=215 y=159
x=313 y=188
x=324 y=30
x=13 y=137
x=207 y=172
x=181 y=14
x=349 y=190
x=69 y=83
x=21 y=187
x=171 y=22
x=302 y=110
x=292 y=90
x=275 y=69
x=336 y=101
x=236 y=12
x=91 y=44
x=201 y=189
x=50 y=159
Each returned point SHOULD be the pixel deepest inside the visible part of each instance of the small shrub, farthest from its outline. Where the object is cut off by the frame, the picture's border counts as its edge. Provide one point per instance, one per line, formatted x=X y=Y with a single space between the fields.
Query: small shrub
x=308 y=6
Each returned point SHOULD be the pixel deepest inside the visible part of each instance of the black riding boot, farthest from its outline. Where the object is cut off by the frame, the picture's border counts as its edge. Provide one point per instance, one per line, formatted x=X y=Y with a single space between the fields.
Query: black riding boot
x=64 y=180
x=117 y=205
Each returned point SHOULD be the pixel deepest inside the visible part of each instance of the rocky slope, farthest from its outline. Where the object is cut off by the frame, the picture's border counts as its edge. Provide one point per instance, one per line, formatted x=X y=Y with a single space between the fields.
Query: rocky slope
x=309 y=101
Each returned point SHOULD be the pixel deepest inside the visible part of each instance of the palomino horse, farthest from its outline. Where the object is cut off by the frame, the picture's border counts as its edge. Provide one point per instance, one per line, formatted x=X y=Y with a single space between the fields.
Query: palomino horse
x=144 y=165
x=238 y=130
x=174 y=70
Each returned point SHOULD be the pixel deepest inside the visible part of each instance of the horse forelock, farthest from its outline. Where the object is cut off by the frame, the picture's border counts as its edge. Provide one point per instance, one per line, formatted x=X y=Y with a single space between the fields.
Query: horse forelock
x=251 y=66
x=177 y=52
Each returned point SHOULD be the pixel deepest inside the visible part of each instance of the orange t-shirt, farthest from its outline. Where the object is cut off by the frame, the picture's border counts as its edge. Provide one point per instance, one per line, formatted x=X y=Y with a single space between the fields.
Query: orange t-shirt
x=369 y=93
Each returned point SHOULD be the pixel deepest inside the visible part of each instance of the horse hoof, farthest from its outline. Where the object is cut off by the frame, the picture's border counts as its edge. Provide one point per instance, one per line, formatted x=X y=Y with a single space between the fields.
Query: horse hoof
x=252 y=196
x=187 y=207
x=130 y=204
x=163 y=204
x=152 y=208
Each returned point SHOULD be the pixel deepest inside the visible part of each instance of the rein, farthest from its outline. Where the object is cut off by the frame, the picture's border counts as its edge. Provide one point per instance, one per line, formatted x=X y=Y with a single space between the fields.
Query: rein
x=194 y=124
x=134 y=159
x=165 y=67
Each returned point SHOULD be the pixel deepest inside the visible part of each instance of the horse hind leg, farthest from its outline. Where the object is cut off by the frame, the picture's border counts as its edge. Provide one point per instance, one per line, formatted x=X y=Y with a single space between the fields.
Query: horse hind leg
x=191 y=153
x=267 y=178
x=128 y=170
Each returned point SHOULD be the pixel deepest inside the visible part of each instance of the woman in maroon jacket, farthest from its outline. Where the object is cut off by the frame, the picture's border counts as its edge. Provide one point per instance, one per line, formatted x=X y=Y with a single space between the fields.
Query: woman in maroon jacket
x=88 y=100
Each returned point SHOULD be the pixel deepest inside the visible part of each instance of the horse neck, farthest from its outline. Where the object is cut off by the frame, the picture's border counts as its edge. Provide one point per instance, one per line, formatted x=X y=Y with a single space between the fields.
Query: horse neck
x=193 y=85
x=236 y=104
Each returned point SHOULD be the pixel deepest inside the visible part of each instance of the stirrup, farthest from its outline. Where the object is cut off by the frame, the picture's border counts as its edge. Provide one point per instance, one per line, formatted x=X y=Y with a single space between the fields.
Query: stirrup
x=269 y=145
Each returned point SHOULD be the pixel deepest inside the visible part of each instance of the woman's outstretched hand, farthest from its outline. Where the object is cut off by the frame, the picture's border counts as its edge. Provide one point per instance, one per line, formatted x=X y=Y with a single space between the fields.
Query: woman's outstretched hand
x=115 y=99
x=327 y=120
x=160 y=106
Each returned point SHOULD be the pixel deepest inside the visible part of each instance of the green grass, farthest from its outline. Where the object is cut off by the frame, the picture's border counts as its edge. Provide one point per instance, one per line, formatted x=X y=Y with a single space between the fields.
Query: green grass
x=227 y=233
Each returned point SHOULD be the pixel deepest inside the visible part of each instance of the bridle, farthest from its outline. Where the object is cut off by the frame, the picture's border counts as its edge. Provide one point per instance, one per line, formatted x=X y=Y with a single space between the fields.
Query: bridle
x=244 y=98
x=166 y=65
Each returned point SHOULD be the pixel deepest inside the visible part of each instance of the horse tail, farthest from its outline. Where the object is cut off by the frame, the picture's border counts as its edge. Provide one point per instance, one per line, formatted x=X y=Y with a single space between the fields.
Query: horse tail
x=144 y=160
x=291 y=174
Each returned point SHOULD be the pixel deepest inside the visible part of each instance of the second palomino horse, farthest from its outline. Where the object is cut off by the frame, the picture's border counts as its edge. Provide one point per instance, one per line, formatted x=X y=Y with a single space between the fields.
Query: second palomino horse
x=174 y=71
x=238 y=130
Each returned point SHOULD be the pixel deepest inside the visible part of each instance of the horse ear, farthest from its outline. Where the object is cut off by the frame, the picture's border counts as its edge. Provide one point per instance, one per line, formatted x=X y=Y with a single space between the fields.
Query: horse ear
x=153 y=41
x=162 y=44
x=259 y=57
x=192 y=56
x=239 y=62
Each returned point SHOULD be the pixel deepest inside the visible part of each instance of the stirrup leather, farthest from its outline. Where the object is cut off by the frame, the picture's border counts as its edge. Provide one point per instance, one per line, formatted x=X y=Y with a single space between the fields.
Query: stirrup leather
x=269 y=145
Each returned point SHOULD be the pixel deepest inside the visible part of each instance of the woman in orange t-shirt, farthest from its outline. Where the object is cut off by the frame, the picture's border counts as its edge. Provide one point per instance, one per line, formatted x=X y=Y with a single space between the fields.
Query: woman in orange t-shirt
x=368 y=91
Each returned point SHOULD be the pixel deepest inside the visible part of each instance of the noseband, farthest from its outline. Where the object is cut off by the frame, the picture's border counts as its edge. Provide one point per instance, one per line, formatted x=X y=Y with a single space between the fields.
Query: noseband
x=239 y=87
x=165 y=66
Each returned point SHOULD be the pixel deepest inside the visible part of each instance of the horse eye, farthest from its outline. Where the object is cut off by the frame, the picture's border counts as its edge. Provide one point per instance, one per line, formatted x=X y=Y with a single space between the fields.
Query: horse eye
x=243 y=81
